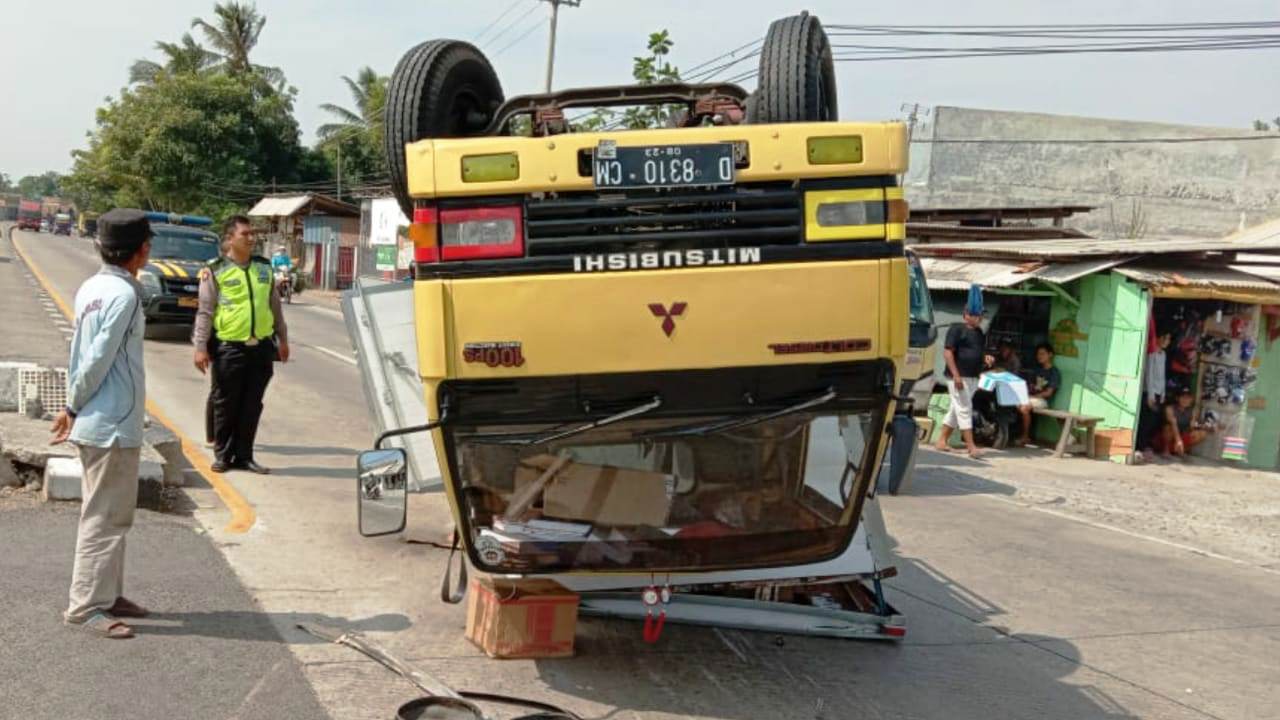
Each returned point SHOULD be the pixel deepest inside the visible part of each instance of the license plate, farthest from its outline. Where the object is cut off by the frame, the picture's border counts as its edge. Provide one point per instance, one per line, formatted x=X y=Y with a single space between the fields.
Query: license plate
x=188 y=302
x=660 y=166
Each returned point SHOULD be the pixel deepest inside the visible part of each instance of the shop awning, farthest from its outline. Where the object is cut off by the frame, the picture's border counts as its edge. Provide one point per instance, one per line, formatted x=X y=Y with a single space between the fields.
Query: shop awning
x=960 y=273
x=1203 y=283
x=279 y=206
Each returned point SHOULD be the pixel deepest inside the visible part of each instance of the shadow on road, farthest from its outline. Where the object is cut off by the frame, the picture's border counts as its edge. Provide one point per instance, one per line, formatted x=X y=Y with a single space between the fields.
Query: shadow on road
x=316 y=472
x=955 y=663
x=294 y=450
x=261 y=626
x=943 y=481
x=171 y=334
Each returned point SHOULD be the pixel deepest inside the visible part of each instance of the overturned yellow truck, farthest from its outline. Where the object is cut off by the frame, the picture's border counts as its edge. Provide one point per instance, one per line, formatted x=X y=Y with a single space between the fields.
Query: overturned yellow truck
x=661 y=366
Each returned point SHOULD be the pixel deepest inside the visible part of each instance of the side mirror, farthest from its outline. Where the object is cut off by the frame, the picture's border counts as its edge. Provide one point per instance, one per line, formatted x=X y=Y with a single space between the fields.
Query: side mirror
x=381 y=491
x=922 y=334
x=904 y=437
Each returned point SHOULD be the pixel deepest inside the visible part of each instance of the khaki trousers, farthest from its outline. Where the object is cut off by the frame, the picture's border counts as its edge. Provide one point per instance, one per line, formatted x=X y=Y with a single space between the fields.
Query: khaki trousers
x=110 y=490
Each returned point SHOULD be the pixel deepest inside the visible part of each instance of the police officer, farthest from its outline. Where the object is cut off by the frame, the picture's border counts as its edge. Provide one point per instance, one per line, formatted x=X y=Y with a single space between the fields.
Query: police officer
x=239 y=332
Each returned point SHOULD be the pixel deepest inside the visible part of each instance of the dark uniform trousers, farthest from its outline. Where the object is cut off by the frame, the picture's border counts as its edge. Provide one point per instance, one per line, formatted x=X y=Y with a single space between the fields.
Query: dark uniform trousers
x=240 y=377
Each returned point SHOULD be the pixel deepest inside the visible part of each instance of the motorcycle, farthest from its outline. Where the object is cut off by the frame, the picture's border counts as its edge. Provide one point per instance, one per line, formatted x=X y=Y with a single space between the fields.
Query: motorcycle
x=996 y=420
x=284 y=284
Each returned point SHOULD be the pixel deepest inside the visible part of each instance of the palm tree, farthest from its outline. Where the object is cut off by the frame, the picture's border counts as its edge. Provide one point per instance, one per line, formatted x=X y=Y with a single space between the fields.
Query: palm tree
x=233 y=35
x=368 y=91
x=181 y=58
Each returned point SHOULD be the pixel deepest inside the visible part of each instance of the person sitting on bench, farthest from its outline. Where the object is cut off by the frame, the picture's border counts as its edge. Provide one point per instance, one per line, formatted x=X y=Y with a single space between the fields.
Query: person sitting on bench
x=1042 y=382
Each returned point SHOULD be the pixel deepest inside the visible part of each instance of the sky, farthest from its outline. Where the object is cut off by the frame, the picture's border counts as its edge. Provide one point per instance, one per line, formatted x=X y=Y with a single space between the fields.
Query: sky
x=62 y=59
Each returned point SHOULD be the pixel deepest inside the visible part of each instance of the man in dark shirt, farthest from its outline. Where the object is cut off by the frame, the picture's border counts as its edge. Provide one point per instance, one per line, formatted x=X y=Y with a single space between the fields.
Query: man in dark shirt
x=965 y=357
x=1042 y=382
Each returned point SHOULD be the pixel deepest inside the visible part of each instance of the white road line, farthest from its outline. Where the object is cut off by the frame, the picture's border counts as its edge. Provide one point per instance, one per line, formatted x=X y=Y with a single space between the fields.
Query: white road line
x=331 y=353
x=1130 y=533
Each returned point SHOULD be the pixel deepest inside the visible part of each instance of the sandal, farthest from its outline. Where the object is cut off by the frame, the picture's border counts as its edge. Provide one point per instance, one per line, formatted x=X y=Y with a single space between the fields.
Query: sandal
x=126 y=608
x=104 y=625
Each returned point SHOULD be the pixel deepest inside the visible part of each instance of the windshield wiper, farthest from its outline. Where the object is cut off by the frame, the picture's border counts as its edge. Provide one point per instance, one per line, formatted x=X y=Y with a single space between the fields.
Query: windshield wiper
x=735 y=423
x=557 y=434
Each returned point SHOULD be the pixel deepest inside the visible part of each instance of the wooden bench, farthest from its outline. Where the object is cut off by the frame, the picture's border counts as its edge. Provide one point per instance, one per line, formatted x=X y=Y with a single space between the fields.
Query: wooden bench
x=1070 y=422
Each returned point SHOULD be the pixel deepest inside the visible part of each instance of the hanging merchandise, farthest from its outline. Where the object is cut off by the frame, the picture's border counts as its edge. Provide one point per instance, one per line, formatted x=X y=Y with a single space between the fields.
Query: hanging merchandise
x=1238 y=325
x=1247 y=349
x=1234 y=448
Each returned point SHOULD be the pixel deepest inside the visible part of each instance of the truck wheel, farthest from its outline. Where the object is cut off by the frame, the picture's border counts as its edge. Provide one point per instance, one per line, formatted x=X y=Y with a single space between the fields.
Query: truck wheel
x=440 y=89
x=797 y=74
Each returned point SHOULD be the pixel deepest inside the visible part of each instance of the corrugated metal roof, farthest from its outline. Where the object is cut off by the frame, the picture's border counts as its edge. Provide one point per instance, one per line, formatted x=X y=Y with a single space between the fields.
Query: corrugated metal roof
x=1251 y=237
x=1257 y=238
x=1269 y=272
x=957 y=274
x=960 y=273
x=1193 y=276
x=1066 y=272
x=279 y=206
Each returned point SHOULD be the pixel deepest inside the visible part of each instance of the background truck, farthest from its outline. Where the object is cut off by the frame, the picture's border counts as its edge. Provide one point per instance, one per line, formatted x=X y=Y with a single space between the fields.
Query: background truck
x=29 y=215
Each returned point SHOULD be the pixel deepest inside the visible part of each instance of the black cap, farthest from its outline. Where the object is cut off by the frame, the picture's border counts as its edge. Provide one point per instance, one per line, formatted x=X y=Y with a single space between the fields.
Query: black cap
x=123 y=229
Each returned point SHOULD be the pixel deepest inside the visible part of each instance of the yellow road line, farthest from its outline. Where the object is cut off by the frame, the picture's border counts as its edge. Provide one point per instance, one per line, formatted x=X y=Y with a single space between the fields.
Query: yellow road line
x=242 y=514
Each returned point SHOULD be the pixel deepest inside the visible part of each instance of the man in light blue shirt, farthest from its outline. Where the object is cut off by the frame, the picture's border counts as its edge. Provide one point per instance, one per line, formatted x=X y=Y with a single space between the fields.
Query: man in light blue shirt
x=106 y=397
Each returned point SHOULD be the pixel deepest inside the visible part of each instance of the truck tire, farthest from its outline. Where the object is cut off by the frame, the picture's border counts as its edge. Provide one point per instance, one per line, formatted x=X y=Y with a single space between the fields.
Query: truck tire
x=797 y=80
x=440 y=89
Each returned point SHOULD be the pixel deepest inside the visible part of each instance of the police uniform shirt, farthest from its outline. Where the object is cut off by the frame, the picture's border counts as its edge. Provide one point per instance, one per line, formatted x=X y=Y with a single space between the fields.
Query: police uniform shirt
x=209 y=304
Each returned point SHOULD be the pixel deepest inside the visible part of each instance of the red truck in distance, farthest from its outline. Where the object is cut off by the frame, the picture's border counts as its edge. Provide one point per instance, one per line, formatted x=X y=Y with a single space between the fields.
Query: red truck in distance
x=29 y=215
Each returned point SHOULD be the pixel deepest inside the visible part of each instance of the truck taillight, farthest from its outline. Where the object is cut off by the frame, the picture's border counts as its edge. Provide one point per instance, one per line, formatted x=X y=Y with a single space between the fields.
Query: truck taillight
x=476 y=233
x=424 y=232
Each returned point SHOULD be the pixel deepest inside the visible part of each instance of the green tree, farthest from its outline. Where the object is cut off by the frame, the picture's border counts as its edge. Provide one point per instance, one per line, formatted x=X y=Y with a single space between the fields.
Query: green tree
x=184 y=57
x=355 y=139
x=5 y=184
x=38 y=186
x=189 y=143
x=650 y=69
x=232 y=35
x=369 y=95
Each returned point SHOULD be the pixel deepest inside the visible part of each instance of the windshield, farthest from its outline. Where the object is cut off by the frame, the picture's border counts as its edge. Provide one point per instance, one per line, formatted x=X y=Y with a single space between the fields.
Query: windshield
x=921 y=307
x=636 y=495
x=173 y=244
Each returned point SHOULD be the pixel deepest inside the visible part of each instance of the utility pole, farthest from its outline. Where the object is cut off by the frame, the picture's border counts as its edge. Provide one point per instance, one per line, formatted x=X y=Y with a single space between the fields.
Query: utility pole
x=338 y=145
x=551 y=43
x=912 y=117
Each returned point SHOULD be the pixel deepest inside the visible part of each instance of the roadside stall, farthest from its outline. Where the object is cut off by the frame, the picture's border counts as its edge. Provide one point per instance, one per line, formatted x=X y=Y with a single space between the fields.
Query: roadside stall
x=1214 y=317
x=1106 y=299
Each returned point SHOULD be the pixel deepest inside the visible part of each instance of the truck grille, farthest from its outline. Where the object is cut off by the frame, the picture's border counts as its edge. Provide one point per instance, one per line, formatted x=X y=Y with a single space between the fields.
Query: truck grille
x=748 y=215
x=181 y=286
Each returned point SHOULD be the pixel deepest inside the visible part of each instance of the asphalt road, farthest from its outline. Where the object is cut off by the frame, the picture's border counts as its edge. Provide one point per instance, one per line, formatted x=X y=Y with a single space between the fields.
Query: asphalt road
x=1012 y=613
x=207 y=651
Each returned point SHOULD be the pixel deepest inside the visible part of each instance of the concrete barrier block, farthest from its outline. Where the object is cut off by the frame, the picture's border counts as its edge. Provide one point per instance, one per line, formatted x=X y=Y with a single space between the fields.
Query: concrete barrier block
x=62 y=478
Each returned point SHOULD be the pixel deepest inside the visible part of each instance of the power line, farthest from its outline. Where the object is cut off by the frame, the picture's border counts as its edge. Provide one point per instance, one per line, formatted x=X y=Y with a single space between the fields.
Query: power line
x=709 y=75
x=522 y=36
x=1095 y=141
x=514 y=23
x=730 y=54
x=1076 y=38
x=496 y=20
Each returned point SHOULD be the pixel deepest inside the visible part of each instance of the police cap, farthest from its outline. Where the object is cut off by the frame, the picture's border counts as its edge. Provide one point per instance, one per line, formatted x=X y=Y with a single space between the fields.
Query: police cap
x=123 y=229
